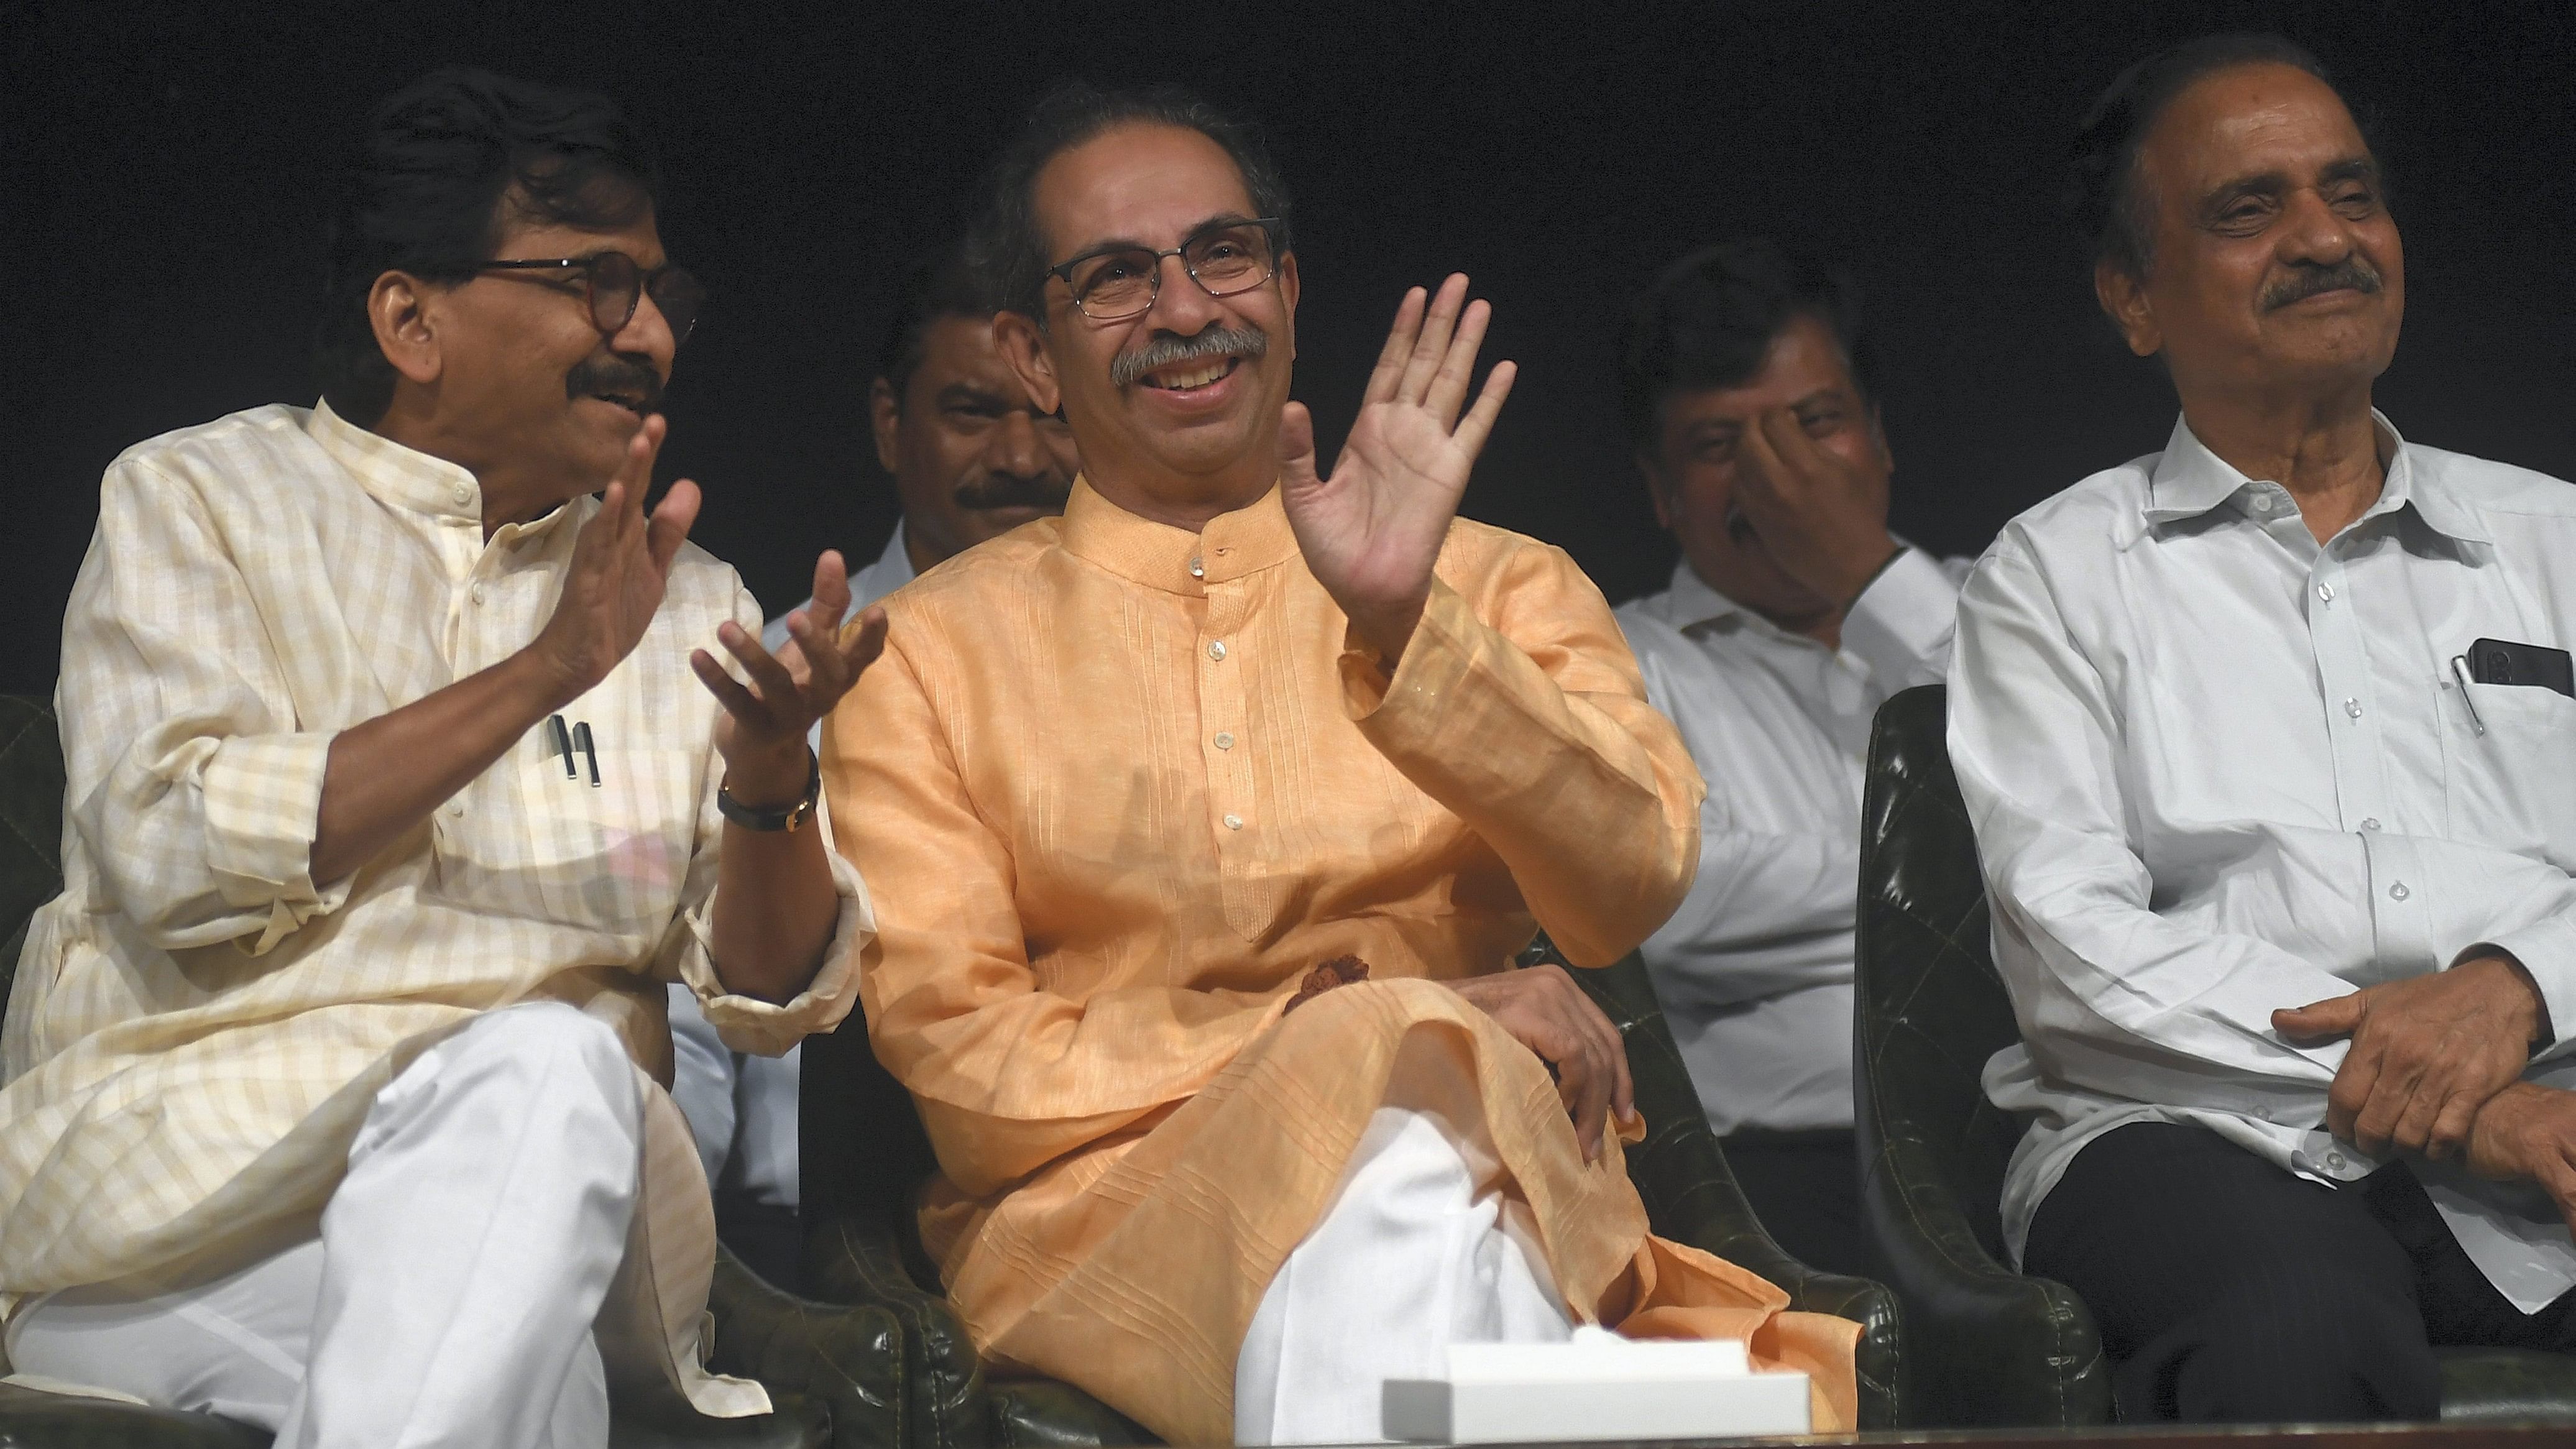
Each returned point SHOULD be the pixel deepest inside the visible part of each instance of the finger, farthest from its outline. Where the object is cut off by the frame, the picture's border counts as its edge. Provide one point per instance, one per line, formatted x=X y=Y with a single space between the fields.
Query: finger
x=1581 y=1084
x=2413 y=1129
x=1389 y=371
x=2389 y=1096
x=737 y=701
x=831 y=590
x=1760 y=472
x=635 y=470
x=1297 y=447
x=1478 y=424
x=2450 y=1132
x=2320 y=1020
x=1803 y=462
x=2351 y=1091
x=1433 y=345
x=1448 y=390
x=863 y=642
x=769 y=678
x=672 y=520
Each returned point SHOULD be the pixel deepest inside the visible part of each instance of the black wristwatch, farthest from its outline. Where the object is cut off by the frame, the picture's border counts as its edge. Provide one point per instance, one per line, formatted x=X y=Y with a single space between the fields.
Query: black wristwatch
x=789 y=817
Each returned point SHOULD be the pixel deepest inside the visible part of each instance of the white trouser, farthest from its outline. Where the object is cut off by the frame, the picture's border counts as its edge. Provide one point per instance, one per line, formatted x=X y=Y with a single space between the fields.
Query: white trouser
x=1422 y=1247
x=449 y=1297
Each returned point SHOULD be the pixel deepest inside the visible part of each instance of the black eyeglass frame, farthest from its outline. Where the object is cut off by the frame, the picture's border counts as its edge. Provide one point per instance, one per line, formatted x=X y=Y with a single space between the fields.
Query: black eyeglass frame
x=588 y=268
x=1273 y=228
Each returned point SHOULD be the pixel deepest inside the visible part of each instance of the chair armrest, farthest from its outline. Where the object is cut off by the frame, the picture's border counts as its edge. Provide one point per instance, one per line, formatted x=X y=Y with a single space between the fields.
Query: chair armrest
x=1989 y=1347
x=848 y=1356
x=852 y=1259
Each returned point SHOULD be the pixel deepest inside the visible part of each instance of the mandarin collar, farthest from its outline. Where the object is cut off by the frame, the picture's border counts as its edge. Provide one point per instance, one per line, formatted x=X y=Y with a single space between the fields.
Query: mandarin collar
x=1159 y=556
x=2190 y=480
x=401 y=477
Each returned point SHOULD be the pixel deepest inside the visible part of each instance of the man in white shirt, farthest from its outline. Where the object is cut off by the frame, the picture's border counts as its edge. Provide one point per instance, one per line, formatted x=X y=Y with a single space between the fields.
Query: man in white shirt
x=330 y=1100
x=1747 y=385
x=971 y=459
x=2267 y=743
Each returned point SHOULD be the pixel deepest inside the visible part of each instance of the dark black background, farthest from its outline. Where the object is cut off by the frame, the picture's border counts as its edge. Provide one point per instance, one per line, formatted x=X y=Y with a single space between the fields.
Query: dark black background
x=161 y=172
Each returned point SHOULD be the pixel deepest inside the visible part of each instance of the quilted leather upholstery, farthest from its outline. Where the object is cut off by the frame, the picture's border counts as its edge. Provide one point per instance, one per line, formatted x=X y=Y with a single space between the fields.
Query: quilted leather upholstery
x=864 y=1155
x=836 y=1372
x=1989 y=1346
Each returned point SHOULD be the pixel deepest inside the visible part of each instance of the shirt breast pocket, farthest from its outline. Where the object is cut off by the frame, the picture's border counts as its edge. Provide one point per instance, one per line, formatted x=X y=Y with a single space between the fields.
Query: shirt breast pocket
x=607 y=855
x=2509 y=779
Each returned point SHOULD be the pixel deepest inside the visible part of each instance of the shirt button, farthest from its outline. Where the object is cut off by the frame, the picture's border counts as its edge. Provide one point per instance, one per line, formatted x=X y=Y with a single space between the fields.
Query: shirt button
x=2262 y=502
x=476 y=593
x=1216 y=650
x=2352 y=707
x=2325 y=593
x=462 y=494
x=1198 y=570
x=2398 y=891
x=1234 y=822
x=2370 y=823
x=1224 y=741
x=455 y=809
x=2335 y=1161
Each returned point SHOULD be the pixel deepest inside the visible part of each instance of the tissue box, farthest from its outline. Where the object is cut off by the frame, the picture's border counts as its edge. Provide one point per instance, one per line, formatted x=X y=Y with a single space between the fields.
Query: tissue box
x=1600 y=1386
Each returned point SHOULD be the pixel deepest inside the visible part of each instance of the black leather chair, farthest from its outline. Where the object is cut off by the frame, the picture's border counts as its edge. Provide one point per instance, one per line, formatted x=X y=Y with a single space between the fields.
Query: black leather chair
x=835 y=1371
x=863 y=1157
x=1988 y=1346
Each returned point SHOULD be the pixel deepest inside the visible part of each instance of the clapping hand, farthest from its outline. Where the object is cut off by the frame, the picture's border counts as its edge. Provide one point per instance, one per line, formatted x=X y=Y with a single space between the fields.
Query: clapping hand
x=1372 y=531
x=762 y=734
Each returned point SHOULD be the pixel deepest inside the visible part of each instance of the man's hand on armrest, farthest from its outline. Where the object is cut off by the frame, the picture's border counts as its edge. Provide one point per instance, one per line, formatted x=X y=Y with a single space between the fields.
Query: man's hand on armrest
x=1545 y=1011
x=2427 y=1052
x=2527 y=1132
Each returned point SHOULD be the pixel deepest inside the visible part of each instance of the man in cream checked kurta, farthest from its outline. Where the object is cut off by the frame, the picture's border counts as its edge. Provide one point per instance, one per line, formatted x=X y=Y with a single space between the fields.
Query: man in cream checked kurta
x=331 y=1098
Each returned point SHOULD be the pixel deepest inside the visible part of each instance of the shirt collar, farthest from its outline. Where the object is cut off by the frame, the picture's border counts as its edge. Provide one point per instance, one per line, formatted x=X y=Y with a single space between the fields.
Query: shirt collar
x=2190 y=480
x=401 y=477
x=1157 y=555
x=1691 y=602
x=895 y=564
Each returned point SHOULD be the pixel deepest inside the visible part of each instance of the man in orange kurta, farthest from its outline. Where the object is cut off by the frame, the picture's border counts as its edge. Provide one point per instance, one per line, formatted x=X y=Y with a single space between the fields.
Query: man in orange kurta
x=1132 y=775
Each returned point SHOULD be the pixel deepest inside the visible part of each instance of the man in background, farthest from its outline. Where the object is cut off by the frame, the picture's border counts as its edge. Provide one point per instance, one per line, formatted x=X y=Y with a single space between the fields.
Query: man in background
x=971 y=459
x=1750 y=397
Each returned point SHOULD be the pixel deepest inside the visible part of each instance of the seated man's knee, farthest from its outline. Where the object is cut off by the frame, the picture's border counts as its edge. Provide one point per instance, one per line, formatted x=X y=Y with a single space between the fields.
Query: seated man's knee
x=2321 y=1349
x=555 y=1050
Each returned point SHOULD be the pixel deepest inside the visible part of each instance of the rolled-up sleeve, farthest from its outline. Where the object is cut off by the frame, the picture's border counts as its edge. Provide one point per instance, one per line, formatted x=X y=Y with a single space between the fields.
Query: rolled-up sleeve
x=190 y=781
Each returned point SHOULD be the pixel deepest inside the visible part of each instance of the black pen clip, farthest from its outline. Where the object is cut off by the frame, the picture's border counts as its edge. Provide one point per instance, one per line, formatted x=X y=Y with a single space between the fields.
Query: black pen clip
x=581 y=741
x=559 y=742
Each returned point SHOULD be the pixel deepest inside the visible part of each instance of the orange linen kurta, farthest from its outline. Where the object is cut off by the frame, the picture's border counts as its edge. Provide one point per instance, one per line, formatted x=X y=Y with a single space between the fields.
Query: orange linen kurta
x=1117 y=787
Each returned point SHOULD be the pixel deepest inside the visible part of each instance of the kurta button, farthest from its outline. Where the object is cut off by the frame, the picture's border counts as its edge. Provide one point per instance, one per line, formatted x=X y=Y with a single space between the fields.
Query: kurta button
x=463 y=494
x=1198 y=570
x=455 y=809
x=477 y=593
x=2325 y=593
x=1234 y=822
x=1224 y=741
x=2398 y=891
x=1216 y=650
x=2372 y=823
x=2352 y=707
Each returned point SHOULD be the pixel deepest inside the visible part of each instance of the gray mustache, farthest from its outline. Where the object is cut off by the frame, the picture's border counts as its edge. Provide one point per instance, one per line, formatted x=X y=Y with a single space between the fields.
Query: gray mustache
x=2307 y=282
x=1215 y=340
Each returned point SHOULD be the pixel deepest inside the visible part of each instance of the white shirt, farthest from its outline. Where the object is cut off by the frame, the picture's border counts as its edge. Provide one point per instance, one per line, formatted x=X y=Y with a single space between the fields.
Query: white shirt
x=2216 y=769
x=1755 y=969
x=742 y=1107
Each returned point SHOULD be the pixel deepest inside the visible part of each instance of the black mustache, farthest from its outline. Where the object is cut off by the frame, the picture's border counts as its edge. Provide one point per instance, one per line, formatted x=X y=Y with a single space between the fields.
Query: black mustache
x=1004 y=491
x=614 y=376
x=2308 y=281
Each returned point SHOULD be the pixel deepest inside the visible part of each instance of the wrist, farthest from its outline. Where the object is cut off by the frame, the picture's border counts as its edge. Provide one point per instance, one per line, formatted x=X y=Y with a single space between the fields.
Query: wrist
x=771 y=778
x=541 y=679
x=1387 y=630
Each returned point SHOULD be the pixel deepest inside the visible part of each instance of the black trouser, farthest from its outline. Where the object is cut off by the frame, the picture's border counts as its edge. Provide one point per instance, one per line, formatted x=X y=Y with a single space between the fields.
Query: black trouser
x=2230 y=1290
x=764 y=1235
x=1805 y=1187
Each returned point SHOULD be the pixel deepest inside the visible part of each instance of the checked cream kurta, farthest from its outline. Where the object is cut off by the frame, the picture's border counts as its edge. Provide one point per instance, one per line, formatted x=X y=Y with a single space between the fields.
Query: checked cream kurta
x=197 y=1027
x=1126 y=785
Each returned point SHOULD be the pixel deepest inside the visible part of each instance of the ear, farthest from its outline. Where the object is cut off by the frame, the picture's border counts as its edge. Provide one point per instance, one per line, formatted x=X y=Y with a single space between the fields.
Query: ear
x=885 y=413
x=1016 y=337
x=398 y=307
x=2124 y=300
x=1658 y=487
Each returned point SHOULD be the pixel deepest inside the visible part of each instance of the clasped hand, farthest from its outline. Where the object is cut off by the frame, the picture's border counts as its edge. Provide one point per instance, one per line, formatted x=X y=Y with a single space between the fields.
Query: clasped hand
x=1542 y=1009
x=2427 y=1052
x=621 y=564
x=1372 y=531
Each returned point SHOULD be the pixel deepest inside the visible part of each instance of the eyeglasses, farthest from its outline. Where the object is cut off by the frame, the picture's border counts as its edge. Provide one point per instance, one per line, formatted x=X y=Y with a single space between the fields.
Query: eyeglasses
x=614 y=284
x=1224 y=258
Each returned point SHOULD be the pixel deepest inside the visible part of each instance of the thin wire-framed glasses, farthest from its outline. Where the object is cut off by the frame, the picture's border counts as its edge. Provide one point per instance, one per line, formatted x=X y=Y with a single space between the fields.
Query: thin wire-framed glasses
x=614 y=284
x=1113 y=284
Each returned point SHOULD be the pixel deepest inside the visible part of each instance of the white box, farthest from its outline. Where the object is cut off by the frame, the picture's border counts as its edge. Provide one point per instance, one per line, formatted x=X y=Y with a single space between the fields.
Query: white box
x=1600 y=1386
